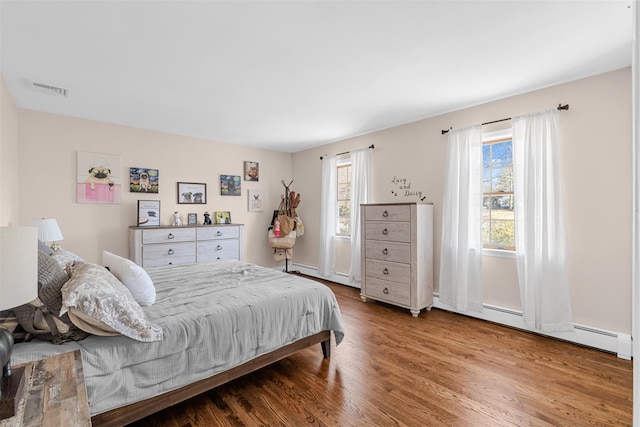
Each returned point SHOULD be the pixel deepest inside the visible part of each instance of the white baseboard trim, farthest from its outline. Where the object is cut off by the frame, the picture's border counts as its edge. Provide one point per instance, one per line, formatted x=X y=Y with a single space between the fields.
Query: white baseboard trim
x=612 y=342
x=602 y=339
x=308 y=270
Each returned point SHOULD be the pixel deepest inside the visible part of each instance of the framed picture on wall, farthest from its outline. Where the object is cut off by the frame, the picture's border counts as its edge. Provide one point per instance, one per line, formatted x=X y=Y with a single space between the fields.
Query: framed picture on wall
x=192 y=193
x=148 y=213
x=144 y=180
x=251 y=171
x=230 y=185
x=256 y=200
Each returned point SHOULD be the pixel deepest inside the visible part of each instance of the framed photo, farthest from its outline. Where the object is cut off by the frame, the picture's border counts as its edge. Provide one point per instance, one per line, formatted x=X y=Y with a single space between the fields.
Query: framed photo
x=230 y=185
x=99 y=178
x=192 y=193
x=143 y=180
x=223 y=217
x=148 y=213
x=256 y=200
x=251 y=171
x=192 y=219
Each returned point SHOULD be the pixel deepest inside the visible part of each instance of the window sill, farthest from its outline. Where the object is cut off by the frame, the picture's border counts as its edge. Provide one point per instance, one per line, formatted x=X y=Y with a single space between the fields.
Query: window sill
x=499 y=253
x=343 y=238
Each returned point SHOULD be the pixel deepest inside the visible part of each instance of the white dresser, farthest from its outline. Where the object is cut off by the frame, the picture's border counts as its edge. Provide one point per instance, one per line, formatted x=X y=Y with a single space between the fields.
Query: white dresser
x=397 y=254
x=166 y=245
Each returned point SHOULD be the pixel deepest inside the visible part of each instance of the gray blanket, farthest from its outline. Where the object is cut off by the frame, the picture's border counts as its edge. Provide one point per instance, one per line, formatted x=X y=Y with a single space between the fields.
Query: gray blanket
x=215 y=316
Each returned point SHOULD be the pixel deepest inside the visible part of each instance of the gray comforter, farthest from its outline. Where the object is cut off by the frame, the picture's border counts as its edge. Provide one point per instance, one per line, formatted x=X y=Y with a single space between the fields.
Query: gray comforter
x=214 y=315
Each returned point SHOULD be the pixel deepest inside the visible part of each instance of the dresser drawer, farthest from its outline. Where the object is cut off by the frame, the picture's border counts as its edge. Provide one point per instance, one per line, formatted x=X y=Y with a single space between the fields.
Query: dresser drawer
x=389 y=231
x=387 y=213
x=388 y=251
x=175 y=253
x=392 y=292
x=385 y=270
x=210 y=233
x=218 y=249
x=168 y=235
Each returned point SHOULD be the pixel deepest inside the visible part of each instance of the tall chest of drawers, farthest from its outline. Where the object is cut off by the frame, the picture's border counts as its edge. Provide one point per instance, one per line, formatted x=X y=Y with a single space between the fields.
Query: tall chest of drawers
x=167 y=245
x=397 y=254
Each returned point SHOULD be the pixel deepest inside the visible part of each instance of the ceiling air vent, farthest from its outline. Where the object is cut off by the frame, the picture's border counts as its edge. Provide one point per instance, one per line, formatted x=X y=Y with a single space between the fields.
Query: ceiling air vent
x=52 y=90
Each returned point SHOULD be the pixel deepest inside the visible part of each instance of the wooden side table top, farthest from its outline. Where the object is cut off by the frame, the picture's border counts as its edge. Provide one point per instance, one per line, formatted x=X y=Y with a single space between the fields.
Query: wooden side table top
x=54 y=394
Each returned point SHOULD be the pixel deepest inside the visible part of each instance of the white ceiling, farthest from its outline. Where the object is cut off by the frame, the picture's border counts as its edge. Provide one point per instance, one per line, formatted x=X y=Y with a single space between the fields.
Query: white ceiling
x=290 y=75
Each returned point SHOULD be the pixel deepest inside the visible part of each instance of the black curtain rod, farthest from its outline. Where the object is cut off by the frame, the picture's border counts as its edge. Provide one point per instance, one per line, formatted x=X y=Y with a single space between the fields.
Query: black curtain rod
x=346 y=152
x=560 y=107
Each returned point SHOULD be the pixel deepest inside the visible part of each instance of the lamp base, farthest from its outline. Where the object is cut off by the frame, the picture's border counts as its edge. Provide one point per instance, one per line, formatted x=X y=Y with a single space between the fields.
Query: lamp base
x=12 y=390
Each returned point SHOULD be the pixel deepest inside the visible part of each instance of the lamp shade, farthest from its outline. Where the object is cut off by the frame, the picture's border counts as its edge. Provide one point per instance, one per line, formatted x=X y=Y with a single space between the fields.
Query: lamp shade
x=18 y=266
x=48 y=230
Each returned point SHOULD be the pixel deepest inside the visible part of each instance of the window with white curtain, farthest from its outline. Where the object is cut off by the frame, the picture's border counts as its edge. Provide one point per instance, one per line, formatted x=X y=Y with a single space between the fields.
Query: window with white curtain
x=498 y=204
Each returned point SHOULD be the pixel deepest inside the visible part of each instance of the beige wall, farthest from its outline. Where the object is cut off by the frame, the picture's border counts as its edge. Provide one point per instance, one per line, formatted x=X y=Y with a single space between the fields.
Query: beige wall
x=596 y=173
x=47 y=157
x=9 y=172
x=596 y=169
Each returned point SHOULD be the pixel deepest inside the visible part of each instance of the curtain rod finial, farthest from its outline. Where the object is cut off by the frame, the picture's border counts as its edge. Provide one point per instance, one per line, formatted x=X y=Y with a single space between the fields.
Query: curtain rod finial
x=563 y=107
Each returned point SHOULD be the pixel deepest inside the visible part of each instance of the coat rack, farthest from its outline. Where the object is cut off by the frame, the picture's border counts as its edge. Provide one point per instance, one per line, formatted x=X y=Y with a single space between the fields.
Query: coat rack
x=289 y=211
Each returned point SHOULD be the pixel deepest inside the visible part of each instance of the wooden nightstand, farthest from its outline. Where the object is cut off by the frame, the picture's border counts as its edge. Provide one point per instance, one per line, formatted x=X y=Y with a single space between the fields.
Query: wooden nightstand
x=54 y=394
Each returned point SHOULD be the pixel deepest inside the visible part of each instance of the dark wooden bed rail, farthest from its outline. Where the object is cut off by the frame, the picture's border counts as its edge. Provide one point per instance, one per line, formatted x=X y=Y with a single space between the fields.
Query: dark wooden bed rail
x=135 y=411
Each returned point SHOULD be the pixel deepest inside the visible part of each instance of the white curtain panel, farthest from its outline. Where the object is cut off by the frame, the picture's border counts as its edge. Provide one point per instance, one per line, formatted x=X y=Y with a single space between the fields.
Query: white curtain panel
x=541 y=247
x=328 y=207
x=461 y=251
x=360 y=190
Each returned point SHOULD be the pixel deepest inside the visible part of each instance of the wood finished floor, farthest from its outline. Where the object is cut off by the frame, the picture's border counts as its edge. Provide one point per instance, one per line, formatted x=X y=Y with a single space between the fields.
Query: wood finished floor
x=440 y=369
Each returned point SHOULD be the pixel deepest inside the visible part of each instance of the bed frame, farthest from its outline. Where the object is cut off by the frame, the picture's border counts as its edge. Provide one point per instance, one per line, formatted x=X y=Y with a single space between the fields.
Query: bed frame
x=135 y=411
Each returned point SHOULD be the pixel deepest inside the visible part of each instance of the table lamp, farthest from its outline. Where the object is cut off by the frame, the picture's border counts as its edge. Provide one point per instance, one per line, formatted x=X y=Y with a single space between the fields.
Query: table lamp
x=18 y=285
x=48 y=231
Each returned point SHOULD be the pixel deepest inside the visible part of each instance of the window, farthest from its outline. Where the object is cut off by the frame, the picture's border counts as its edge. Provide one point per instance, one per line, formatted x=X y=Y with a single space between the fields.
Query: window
x=498 y=213
x=344 y=198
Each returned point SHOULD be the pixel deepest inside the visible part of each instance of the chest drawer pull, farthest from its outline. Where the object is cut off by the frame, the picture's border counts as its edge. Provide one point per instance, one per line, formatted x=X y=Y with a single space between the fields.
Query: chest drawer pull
x=218 y=248
x=385 y=251
x=170 y=236
x=385 y=232
x=385 y=271
x=170 y=252
x=385 y=214
x=219 y=233
x=385 y=291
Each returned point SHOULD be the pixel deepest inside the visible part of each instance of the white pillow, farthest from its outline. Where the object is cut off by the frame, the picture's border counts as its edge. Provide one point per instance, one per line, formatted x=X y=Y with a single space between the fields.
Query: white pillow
x=134 y=277
x=94 y=291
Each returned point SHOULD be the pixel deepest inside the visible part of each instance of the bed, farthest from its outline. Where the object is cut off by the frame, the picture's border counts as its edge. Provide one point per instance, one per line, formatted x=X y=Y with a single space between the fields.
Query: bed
x=219 y=320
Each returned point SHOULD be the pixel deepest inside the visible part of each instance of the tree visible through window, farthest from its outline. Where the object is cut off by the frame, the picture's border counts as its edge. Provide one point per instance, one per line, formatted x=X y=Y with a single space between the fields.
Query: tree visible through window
x=344 y=199
x=498 y=214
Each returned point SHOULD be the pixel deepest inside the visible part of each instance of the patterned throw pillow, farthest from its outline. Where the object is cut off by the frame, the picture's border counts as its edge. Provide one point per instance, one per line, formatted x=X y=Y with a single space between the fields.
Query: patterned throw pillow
x=97 y=293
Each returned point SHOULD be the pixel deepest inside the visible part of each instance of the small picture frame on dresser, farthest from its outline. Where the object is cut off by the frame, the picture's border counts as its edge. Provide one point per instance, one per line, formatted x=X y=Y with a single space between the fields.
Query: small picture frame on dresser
x=223 y=217
x=148 y=213
x=192 y=219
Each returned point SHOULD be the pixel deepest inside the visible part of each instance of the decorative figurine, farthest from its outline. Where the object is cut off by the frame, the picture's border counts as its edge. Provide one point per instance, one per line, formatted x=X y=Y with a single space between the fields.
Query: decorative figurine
x=177 y=222
x=207 y=218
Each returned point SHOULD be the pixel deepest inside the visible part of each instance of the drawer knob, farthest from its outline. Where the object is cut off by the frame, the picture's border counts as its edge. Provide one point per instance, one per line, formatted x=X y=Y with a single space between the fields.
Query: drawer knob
x=170 y=263
x=385 y=291
x=385 y=214
x=170 y=236
x=385 y=251
x=218 y=248
x=385 y=232
x=385 y=271
x=170 y=252
x=219 y=233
